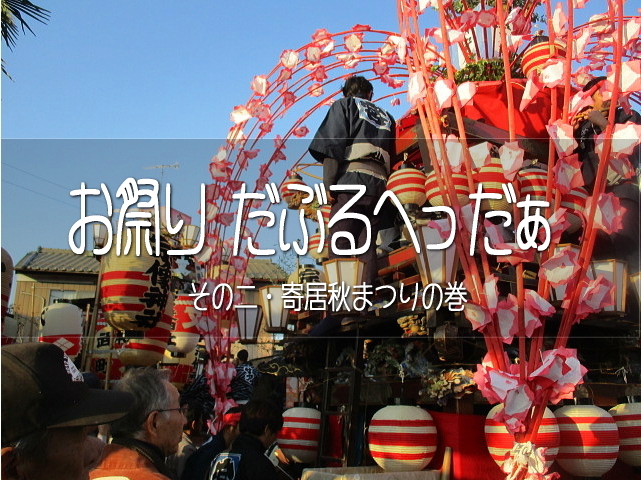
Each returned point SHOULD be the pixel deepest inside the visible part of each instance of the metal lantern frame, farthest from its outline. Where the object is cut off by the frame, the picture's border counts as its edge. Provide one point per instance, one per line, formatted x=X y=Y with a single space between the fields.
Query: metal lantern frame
x=346 y=272
x=435 y=266
x=249 y=322
x=272 y=303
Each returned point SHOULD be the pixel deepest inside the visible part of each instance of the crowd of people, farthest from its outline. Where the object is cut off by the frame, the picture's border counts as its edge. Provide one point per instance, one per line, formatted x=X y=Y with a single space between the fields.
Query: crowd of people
x=51 y=419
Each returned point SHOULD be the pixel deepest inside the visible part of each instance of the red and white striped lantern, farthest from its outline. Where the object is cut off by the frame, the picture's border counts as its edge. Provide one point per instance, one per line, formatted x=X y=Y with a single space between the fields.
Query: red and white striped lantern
x=436 y=197
x=150 y=349
x=180 y=366
x=539 y=51
x=134 y=288
x=185 y=336
x=314 y=242
x=532 y=181
x=500 y=441
x=589 y=440
x=7 y=280
x=492 y=178
x=287 y=192
x=574 y=201
x=628 y=419
x=402 y=438
x=408 y=184
x=63 y=327
x=300 y=434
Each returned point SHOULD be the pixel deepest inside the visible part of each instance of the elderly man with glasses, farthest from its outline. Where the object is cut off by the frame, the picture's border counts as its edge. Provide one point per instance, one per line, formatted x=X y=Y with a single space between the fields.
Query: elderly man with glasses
x=148 y=433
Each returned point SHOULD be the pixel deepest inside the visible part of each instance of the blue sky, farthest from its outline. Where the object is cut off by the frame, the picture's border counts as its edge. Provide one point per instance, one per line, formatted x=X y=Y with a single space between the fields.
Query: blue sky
x=137 y=70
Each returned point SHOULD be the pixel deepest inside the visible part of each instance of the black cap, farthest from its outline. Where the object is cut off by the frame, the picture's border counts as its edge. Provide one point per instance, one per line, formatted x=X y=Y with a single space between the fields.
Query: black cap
x=42 y=388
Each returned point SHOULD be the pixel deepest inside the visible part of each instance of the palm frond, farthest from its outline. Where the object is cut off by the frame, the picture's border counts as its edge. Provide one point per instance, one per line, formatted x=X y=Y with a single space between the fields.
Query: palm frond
x=17 y=12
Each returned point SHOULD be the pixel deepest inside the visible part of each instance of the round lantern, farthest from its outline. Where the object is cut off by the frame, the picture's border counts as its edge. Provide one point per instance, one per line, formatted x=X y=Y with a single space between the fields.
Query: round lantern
x=326 y=211
x=288 y=193
x=538 y=52
x=306 y=273
x=492 y=178
x=7 y=280
x=532 y=181
x=300 y=434
x=185 y=335
x=408 y=184
x=574 y=201
x=402 y=438
x=628 y=419
x=436 y=197
x=500 y=441
x=62 y=326
x=134 y=288
x=314 y=242
x=150 y=349
x=589 y=440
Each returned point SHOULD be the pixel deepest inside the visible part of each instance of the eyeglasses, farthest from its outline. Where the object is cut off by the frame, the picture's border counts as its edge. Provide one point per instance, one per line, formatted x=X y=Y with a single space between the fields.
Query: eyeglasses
x=184 y=409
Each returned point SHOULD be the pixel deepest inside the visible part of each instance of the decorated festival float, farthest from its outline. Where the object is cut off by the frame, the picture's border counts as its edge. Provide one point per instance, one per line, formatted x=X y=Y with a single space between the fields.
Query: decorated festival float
x=512 y=351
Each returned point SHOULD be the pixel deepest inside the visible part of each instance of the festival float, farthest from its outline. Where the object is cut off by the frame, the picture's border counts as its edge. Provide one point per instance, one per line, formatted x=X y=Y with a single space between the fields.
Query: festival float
x=514 y=325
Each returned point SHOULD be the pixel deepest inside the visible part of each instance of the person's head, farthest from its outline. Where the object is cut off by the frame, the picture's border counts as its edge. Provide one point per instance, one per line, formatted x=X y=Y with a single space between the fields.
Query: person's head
x=262 y=420
x=47 y=410
x=156 y=416
x=230 y=429
x=357 y=86
x=242 y=356
x=593 y=86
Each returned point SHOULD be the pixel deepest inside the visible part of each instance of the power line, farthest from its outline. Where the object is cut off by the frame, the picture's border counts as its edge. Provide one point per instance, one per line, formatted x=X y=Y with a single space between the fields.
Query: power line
x=40 y=193
x=37 y=176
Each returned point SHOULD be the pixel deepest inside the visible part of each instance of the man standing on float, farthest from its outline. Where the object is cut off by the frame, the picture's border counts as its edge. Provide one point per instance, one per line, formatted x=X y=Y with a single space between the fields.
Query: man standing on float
x=355 y=144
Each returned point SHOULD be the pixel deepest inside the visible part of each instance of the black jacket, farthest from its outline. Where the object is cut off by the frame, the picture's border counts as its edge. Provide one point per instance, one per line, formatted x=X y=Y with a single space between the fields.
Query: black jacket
x=254 y=464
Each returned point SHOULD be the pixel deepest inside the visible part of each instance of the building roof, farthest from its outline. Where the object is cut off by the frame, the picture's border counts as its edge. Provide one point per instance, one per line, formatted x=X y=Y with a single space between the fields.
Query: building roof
x=58 y=260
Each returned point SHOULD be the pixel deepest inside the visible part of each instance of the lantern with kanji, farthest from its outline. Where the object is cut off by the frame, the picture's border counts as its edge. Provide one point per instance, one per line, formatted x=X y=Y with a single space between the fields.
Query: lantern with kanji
x=287 y=190
x=300 y=433
x=402 y=438
x=500 y=441
x=628 y=419
x=134 y=288
x=7 y=280
x=589 y=440
x=149 y=349
x=492 y=178
x=185 y=336
x=62 y=326
x=408 y=184
x=436 y=196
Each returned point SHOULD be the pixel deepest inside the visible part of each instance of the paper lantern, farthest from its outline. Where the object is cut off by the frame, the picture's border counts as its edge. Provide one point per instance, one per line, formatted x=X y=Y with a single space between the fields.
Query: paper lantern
x=249 y=320
x=300 y=434
x=532 y=181
x=7 y=281
x=326 y=211
x=500 y=441
x=408 y=184
x=271 y=301
x=627 y=416
x=150 y=349
x=185 y=335
x=435 y=266
x=574 y=203
x=62 y=326
x=134 y=288
x=314 y=242
x=492 y=178
x=288 y=193
x=402 y=438
x=436 y=197
x=100 y=348
x=589 y=440
x=616 y=272
x=538 y=52
x=346 y=273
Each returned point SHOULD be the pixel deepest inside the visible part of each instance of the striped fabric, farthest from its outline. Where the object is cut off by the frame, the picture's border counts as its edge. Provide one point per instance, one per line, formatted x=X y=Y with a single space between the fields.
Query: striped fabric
x=402 y=438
